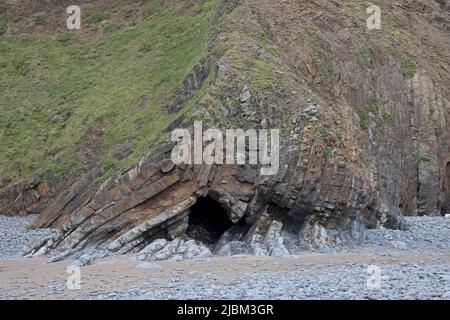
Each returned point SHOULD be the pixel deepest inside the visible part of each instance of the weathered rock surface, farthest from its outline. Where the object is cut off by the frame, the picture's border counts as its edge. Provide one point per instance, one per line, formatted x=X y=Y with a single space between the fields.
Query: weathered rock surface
x=145 y=203
x=177 y=249
x=365 y=123
x=26 y=197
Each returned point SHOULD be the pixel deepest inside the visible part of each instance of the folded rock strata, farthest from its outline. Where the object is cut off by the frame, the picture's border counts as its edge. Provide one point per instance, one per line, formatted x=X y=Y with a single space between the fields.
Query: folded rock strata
x=364 y=116
x=154 y=200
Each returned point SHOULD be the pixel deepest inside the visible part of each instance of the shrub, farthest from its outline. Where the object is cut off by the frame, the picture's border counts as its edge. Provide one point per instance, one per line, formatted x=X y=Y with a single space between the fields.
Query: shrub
x=321 y=130
x=328 y=152
x=387 y=118
x=432 y=109
x=98 y=17
x=408 y=68
x=363 y=115
x=421 y=157
x=424 y=158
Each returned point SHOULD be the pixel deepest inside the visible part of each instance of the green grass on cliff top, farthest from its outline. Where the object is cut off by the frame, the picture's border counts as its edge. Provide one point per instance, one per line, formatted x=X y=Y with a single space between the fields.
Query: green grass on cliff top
x=119 y=84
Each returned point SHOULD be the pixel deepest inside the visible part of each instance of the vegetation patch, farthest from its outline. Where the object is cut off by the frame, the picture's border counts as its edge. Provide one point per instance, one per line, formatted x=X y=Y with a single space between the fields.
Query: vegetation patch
x=52 y=90
x=409 y=68
x=322 y=131
x=431 y=109
x=366 y=56
x=328 y=152
x=113 y=26
x=100 y=180
x=97 y=17
x=154 y=7
x=424 y=158
x=64 y=37
x=269 y=47
x=421 y=157
x=327 y=75
x=220 y=49
x=363 y=114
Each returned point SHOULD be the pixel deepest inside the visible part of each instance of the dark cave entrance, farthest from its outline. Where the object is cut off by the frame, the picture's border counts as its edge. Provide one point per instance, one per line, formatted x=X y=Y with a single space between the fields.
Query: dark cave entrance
x=208 y=220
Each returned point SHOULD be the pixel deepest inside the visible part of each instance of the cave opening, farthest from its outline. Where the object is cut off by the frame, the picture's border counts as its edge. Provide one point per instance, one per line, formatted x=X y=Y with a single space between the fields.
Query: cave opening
x=208 y=220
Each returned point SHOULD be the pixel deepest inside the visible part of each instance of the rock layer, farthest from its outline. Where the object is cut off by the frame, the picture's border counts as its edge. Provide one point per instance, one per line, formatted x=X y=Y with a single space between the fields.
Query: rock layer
x=364 y=118
x=153 y=200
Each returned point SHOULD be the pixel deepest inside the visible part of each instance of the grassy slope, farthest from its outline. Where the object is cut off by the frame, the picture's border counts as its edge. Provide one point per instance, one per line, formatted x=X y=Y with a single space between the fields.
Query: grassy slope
x=120 y=83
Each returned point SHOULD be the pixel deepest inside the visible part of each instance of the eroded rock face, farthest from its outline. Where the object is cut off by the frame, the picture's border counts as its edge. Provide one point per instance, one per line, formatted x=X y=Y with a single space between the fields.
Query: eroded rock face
x=177 y=250
x=153 y=200
x=365 y=137
x=29 y=196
